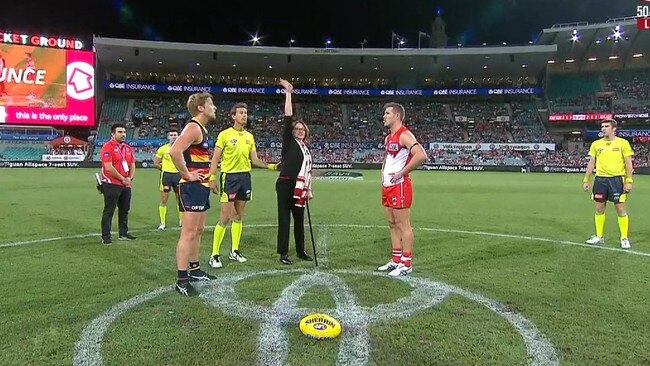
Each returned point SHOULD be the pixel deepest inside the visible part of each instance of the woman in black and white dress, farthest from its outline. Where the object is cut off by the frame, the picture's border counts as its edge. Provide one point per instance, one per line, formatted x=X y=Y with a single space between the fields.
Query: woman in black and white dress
x=293 y=186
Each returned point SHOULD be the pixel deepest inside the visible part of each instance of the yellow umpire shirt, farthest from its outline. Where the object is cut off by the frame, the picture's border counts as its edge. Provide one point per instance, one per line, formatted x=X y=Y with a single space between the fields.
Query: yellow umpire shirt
x=236 y=149
x=610 y=156
x=167 y=163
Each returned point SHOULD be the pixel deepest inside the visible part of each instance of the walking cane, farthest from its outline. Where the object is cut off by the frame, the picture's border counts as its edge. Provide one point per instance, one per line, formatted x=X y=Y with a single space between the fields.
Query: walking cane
x=311 y=232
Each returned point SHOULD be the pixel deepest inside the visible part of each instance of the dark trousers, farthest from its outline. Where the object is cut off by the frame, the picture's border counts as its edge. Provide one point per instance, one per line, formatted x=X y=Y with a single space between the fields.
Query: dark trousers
x=286 y=208
x=120 y=197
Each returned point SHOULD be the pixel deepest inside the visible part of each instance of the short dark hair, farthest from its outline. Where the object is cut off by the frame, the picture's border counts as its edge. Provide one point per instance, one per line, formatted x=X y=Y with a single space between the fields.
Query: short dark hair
x=397 y=109
x=115 y=126
x=610 y=121
x=234 y=108
x=172 y=130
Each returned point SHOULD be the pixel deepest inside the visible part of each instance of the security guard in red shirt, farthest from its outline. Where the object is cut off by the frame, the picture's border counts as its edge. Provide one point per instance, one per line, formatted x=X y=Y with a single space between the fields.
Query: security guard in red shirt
x=118 y=169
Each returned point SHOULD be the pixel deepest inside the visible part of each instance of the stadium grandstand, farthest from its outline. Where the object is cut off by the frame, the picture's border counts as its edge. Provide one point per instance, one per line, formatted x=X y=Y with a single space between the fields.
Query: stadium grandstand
x=532 y=105
x=508 y=105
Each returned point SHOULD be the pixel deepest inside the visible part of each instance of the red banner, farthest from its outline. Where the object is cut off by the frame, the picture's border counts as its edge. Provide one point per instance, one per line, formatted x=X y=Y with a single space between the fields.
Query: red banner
x=579 y=117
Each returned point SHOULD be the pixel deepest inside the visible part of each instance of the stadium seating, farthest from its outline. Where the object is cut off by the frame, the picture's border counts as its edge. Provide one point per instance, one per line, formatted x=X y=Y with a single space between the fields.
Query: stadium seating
x=454 y=122
x=22 y=150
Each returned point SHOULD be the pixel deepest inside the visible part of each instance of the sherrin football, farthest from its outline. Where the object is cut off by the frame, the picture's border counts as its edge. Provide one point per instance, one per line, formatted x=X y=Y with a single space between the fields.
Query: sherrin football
x=320 y=326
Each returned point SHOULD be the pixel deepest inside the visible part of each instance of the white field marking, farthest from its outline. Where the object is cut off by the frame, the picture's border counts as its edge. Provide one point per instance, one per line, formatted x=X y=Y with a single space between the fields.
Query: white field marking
x=321 y=246
x=88 y=350
x=453 y=231
x=355 y=343
x=83 y=236
x=273 y=347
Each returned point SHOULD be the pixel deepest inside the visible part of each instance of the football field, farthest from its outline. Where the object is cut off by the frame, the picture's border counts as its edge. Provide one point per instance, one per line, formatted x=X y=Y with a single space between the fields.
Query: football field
x=501 y=277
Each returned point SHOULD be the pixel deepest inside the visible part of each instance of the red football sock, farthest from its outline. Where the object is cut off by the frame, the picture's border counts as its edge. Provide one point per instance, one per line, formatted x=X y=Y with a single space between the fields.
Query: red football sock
x=406 y=259
x=397 y=255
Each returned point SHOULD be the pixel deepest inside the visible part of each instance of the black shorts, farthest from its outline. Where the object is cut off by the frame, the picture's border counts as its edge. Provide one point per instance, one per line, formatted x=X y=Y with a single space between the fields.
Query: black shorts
x=609 y=189
x=235 y=187
x=193 y=197
x=169 y=181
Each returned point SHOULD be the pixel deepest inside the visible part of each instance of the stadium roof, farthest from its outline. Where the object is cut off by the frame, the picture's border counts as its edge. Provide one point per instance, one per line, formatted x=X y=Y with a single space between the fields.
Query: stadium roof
x=164 y=57
x=614 y=44
x=616 y=40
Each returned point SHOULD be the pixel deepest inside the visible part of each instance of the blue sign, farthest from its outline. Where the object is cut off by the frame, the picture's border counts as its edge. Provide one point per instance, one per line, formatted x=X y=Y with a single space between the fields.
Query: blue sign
x=221 y=89
x=144 y=142
x=620 y=133
x=8 y=136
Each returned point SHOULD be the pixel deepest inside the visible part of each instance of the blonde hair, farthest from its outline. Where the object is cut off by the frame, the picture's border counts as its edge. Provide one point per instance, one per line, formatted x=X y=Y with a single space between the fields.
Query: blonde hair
x=195 y=100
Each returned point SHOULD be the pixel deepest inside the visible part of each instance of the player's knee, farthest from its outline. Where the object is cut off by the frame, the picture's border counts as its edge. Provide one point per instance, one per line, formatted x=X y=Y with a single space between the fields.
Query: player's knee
x=403 y=226
x=237 y=217
x=392 y=224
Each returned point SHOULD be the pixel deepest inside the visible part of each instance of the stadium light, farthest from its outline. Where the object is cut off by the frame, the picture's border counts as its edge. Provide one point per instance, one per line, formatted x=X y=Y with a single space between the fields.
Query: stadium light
x=613 y=57
x=592 y=59
x=120 y=60
x=569 y=60
x=291 y=42
x=551 y=61
x=637 y=55
x=328 y=42
x=255 y=40
x=523 y=66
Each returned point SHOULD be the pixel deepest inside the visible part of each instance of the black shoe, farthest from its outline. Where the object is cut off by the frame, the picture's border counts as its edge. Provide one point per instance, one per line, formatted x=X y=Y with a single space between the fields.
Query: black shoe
x=127 y=237
x=304 y=256
x=196 y=276
x=107 y=241
x=185 y=288
x=285 y=260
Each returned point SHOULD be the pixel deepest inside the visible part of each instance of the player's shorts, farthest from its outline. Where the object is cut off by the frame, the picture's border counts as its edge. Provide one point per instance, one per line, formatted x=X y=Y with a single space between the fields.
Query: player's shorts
x=398 y=195
x=169 y=181
x=235 y=187
x=193 y=197
x=609 y=189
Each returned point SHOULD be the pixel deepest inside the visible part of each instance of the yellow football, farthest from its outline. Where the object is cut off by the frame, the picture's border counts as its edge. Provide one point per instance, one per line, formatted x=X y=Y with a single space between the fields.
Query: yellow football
x=320 y=326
